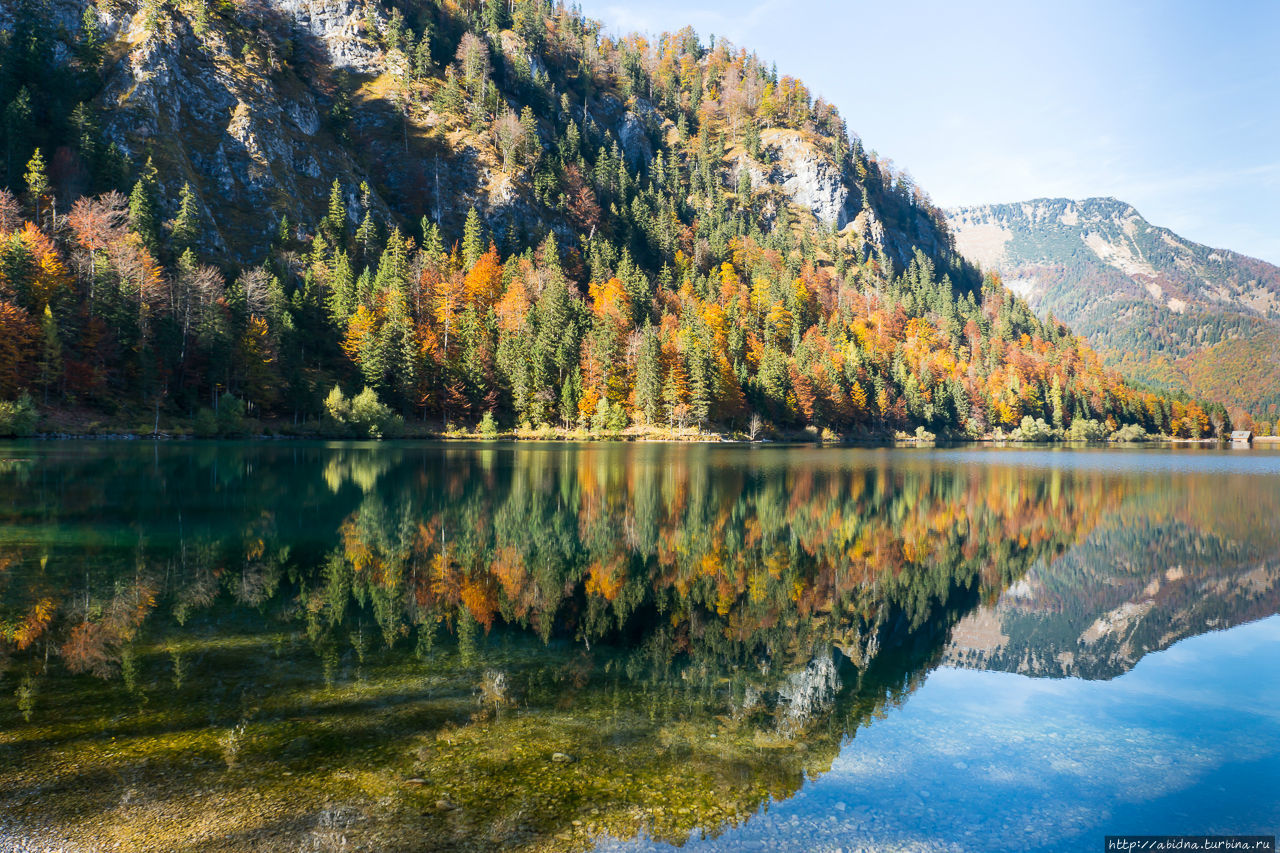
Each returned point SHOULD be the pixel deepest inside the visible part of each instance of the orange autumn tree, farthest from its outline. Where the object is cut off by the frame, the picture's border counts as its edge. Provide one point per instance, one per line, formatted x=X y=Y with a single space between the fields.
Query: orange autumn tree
x=18 y=349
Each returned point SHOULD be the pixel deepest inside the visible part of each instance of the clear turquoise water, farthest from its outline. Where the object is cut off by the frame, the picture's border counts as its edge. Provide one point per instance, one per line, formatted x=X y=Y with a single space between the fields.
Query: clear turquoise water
x=262 y=646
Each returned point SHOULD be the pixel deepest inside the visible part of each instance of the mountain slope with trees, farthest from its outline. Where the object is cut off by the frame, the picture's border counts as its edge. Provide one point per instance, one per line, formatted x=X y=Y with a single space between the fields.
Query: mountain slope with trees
x=1160 y=308
x=491 y=211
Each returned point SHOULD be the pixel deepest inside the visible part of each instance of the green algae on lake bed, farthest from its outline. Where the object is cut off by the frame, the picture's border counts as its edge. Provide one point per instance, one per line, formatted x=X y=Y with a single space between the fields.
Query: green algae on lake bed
x=405 y=749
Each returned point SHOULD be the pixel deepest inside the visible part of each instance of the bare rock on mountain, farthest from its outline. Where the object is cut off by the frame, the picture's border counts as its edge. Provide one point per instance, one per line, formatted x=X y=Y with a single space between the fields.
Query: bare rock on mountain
x=810 y=178
x=634 y=139
x=338 y=25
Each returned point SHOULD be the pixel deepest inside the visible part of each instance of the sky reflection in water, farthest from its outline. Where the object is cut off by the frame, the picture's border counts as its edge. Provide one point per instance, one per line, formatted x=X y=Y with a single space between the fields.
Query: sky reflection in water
x=1188 y=742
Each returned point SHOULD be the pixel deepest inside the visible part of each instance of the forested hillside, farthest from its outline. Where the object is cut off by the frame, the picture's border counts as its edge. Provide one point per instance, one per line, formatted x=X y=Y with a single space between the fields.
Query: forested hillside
x=485 y=211
x=1160 y=308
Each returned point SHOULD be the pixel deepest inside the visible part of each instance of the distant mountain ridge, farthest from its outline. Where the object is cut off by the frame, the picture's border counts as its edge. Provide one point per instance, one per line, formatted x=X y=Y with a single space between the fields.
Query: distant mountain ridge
x=1164 y=309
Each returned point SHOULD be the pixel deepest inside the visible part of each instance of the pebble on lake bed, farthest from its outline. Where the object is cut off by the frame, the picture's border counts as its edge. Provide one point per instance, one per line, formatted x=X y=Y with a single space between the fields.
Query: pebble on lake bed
x=562 y=758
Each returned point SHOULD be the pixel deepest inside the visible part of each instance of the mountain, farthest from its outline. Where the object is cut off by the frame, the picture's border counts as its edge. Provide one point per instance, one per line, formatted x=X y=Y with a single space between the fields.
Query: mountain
x=259 y=106
x=1161 y=308
x=483 y=210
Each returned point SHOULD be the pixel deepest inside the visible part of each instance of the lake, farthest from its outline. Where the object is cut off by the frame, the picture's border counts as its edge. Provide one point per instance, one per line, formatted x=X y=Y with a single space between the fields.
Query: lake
x=634 y=647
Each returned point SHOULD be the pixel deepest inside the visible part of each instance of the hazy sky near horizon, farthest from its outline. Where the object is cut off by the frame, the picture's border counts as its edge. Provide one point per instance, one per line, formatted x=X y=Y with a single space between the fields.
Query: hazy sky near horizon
x=1173 y=107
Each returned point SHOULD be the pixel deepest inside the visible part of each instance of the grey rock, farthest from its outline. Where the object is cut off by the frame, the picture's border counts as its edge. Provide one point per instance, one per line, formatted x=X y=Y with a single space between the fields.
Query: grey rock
x=634 y=138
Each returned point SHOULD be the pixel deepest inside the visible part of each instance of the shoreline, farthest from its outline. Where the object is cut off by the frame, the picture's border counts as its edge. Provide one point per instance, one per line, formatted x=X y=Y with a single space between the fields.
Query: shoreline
x=658 y=436
x=81 y=425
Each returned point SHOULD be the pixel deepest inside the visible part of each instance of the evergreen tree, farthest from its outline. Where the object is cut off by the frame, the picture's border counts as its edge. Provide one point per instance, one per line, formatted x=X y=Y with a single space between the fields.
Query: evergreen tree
x=366 y=235
x=569 y=398
x=142 y=219
x=432 y=247
x=341 y=301
x=422 y=62
x=336 y=220
x=90 y=37
x=393 y=266
x=395 y=37
x=86 y=131
x=1055 y=398
x=700 y=384
x=472 y=239
x=50 y=352
x=649 y=376
x=37 y=179
x=186 y=223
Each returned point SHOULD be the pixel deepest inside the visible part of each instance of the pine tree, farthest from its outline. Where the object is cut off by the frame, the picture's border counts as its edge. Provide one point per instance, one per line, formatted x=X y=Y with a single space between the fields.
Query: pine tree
x=366 y=235
x=1055 y=397
x=395 y=37
x=472 y=239
x=449 y=97
x=569 y=397
x=393 y=267
x=50 y=352
x=422 y=62
x=341 y=301
x=744 y=188
x=142 y=219
x=336 y=220
x=364 y=289
x=700 y=387
x=37 y=179
x=86 y=130
x=400 y=345
x=530 y=147
x=432 y=245
x=649 y=376
x=186 y=223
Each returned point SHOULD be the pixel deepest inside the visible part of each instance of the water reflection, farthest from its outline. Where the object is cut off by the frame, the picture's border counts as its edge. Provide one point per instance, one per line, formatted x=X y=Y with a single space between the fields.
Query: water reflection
x=444 y=647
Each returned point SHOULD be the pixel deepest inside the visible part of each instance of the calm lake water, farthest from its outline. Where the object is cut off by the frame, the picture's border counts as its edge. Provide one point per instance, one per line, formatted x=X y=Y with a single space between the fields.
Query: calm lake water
x=622 y=647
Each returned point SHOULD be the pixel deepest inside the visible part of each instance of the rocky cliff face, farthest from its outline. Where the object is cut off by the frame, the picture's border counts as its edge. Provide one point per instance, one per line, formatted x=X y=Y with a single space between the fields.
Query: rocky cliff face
x=808 y=177
x=1133 y=287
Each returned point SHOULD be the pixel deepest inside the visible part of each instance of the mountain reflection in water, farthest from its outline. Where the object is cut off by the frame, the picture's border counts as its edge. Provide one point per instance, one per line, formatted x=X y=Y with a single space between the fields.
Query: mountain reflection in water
x=440 y=647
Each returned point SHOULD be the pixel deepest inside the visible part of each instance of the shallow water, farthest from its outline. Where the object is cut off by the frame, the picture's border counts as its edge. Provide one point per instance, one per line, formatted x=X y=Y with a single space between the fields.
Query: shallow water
x=265 y=646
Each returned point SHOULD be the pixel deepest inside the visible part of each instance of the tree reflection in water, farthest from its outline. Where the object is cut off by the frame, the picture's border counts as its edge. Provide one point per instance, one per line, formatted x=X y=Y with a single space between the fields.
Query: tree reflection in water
x=443 y=647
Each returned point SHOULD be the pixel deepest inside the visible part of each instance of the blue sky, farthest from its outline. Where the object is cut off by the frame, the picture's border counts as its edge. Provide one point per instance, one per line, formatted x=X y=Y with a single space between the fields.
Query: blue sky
x=1173 y=107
